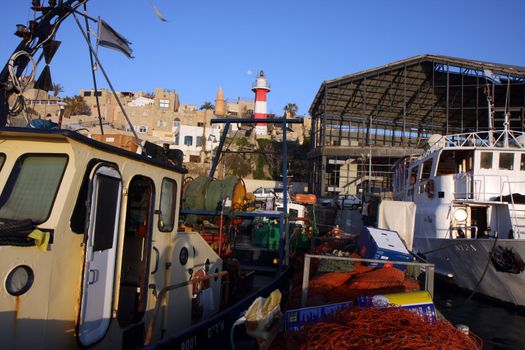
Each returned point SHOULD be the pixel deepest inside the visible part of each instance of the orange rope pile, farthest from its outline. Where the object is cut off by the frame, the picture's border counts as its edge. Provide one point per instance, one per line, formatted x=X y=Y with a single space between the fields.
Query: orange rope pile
x=386 y=328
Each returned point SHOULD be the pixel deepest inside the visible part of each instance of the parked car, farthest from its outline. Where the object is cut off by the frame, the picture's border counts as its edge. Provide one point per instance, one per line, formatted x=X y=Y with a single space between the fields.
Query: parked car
x=325 y=201
x=263 y=193
x=348 y=201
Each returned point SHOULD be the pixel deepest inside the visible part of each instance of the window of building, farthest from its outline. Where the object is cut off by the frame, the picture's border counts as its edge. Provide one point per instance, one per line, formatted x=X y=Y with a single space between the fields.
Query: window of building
x=143 y=129
x=200 y=124
x=177 y=140
x=485 y=160
x=164 y=103
x=98 y=93
x=87 y=93
x=198 y=141
x=176 y=123
x=188 y=140
x=32 y=186
x=506 y=161
x=161 y=123
x=168 y=200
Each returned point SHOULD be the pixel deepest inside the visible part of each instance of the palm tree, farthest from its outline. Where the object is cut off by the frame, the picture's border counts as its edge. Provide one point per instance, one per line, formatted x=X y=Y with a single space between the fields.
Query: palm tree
x=76 y=105
x=207 y=105
x=291 y=109
x=57 y=89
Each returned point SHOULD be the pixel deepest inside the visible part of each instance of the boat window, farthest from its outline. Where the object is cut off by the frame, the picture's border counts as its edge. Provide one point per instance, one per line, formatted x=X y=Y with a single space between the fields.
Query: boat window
x=78 y=218
x=485 y=161
x=106 y=212
x=455 y=161
x=427 y=168
x=506 y=161
x=2 y=160
x=413 y=175
x=168 y=200
x=32 y=187
x=293 y=215
x=522 y=162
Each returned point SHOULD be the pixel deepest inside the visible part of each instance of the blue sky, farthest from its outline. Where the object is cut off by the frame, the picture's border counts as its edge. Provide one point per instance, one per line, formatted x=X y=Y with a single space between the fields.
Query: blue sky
x=299 y=44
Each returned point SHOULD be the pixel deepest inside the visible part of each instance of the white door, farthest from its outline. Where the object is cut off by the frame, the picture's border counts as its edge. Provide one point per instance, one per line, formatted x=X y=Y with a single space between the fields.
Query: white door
x=101 y=247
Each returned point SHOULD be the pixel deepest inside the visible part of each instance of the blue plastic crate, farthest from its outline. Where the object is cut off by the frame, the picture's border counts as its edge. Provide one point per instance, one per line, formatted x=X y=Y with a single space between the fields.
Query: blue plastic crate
x=380 y=244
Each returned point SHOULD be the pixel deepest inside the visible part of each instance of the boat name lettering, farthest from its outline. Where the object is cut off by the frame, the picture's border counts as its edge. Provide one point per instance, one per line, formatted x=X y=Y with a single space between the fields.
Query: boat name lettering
x=466 y=248
x=215 y=329
x=189 y=344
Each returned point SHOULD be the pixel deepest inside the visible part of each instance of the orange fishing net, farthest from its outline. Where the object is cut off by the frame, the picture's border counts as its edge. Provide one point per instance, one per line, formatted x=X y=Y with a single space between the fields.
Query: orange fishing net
x=371 y=329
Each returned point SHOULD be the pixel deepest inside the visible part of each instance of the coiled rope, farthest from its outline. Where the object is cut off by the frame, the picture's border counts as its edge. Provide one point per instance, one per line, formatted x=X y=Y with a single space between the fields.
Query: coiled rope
x=20 y=84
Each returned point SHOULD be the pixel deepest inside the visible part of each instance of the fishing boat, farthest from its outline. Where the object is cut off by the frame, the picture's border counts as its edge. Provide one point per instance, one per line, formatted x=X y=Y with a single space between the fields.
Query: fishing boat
x=90 y=251
x=470 y=218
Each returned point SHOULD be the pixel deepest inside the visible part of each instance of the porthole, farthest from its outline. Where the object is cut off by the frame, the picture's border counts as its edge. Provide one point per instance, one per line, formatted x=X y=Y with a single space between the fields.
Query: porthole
x=19 y=280
x=183 y=256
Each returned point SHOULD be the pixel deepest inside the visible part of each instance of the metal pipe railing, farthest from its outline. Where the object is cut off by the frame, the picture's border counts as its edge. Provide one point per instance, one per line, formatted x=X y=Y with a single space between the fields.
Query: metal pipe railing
x=473 y=229
x=429 y=269
x=162 y=293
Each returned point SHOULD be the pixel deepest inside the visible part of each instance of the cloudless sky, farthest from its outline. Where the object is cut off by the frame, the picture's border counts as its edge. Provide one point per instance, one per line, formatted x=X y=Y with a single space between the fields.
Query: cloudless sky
x=299 y=44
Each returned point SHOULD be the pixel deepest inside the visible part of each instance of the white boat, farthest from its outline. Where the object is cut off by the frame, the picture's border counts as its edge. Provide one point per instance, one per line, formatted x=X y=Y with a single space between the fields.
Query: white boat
x=469 y=190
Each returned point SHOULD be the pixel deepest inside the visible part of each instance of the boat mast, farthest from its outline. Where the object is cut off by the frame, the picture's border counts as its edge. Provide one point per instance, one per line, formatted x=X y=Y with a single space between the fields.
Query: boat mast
x=488 y=90
x=39 y=34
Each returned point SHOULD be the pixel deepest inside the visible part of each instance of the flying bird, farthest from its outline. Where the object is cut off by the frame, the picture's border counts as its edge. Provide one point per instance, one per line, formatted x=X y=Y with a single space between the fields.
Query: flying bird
x=157 y=12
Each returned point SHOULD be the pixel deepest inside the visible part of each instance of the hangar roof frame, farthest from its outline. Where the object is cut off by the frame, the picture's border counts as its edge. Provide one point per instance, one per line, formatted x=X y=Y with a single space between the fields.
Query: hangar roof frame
x=428 y=92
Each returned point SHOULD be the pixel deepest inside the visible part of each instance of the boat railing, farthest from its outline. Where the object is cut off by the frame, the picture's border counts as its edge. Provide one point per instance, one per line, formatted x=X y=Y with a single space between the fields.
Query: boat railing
x=480 y=139
x=429 y=271
x=486 y=187
x=162 y=294
x=464 y=229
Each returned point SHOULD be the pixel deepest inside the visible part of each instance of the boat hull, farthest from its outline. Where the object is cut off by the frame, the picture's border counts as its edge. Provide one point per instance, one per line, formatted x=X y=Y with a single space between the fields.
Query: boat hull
x=481 y=265
x=214 y=332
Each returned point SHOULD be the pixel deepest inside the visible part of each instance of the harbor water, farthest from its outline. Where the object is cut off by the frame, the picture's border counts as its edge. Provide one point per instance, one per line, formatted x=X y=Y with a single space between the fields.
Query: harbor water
x=500 y=326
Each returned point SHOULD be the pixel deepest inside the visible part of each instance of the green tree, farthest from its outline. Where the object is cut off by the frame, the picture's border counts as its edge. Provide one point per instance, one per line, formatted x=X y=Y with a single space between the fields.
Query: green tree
x=237 y=165
x=76 y=105
x=291 y=109
x=57 y=89
x=207 y=105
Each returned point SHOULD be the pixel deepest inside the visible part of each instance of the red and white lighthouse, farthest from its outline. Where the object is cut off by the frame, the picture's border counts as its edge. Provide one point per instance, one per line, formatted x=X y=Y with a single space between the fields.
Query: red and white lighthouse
x=261 y=88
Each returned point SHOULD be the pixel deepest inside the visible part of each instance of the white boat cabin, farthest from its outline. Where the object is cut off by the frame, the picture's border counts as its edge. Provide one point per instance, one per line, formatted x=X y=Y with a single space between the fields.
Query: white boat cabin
x=467 y=186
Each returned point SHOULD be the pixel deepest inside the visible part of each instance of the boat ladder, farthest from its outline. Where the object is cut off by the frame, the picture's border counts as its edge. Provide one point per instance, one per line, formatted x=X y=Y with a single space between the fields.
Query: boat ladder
x=517 y=215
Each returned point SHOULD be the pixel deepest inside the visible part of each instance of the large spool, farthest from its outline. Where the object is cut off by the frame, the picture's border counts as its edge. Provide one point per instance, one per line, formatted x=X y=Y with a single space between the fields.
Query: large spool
x=204 y=193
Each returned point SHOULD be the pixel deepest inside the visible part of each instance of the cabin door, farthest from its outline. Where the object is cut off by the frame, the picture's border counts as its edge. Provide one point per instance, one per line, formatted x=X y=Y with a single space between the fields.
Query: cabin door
x=101 y=247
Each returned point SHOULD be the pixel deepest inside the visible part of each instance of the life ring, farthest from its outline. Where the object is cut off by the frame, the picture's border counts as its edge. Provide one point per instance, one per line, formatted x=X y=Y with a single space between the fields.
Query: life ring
x=429 y=188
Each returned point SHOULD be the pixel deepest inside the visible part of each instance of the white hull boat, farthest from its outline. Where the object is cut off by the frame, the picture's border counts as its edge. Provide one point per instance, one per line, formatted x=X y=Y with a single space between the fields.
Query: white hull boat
x=469 y=190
